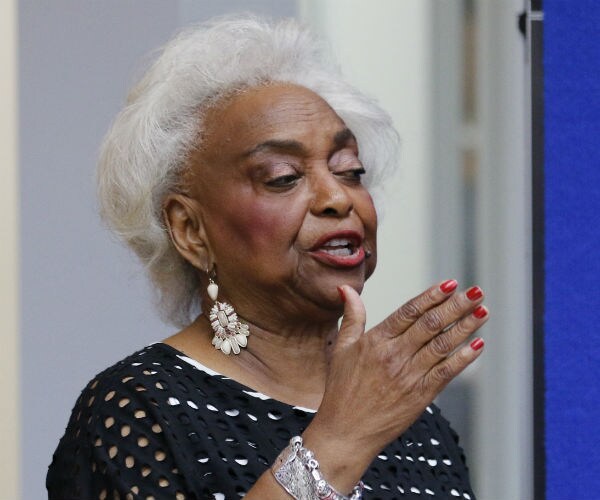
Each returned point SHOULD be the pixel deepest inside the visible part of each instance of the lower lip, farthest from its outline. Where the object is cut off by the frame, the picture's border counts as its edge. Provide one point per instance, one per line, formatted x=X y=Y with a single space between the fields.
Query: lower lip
x=345 y=261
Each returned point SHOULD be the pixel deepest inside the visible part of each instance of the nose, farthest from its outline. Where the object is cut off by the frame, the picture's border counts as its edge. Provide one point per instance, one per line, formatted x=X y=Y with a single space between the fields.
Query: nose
x=330 y=196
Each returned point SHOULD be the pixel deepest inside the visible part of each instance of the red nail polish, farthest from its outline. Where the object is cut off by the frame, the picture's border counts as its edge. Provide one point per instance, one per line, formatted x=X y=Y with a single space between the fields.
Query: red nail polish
x=448 y=286
x=342 y=294
x=477 y=344
x=480 y=312
x=474 y=293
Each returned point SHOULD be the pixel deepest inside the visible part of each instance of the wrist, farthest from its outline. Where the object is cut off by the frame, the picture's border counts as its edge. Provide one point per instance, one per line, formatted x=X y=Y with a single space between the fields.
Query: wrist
x=297 y=470
x=341 y=461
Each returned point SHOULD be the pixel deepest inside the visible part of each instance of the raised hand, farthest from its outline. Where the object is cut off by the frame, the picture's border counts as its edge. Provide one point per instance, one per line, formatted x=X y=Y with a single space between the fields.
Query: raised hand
x=380 y=381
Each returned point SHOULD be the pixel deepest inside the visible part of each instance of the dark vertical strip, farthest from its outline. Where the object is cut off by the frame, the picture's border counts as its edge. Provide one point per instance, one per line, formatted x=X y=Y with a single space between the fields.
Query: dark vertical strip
x=538 y=226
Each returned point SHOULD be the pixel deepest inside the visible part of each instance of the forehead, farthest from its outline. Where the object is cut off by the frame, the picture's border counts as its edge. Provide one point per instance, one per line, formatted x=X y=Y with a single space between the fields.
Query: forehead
x=276 y=111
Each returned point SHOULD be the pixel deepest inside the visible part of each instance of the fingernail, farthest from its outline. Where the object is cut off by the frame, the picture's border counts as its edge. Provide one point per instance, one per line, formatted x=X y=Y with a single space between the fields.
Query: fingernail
x=480 y=312
x=477 y=344
x=448 y=286
x=342 y=294
x=474 y=293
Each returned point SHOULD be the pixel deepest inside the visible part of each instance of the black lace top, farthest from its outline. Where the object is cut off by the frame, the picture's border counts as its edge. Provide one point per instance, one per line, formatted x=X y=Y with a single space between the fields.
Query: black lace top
x=158 y=425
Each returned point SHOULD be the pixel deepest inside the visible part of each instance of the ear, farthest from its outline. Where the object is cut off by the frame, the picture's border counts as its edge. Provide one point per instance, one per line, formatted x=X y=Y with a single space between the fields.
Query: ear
x=183 y=219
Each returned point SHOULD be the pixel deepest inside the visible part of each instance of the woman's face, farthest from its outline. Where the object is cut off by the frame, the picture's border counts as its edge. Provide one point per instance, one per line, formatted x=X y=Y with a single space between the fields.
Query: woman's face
x=286 y=217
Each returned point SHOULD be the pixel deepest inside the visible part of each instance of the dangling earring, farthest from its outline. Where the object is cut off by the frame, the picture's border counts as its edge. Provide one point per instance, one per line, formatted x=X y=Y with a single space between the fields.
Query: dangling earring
x=230 y=332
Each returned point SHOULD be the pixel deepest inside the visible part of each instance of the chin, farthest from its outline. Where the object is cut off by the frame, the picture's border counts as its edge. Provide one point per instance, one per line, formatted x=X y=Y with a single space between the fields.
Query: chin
x=355 y=278
x=356 y=282
x=358 y=285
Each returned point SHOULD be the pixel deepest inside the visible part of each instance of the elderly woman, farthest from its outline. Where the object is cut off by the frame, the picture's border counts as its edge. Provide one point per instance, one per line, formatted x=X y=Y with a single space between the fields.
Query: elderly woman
x=240 y=171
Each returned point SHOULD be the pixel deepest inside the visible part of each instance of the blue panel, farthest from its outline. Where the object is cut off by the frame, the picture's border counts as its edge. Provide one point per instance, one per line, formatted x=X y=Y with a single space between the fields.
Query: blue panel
x=572 y=322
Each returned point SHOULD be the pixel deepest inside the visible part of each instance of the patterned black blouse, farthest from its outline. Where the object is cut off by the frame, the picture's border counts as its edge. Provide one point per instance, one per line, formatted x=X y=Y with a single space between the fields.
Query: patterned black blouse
x=159 y=425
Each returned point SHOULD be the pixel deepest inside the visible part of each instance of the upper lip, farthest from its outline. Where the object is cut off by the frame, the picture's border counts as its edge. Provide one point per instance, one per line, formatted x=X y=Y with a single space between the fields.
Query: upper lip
x=354 y=238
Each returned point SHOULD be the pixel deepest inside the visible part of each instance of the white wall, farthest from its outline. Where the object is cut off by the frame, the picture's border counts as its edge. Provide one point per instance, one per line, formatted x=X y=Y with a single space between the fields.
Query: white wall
x=505 y=382
x=9 y=260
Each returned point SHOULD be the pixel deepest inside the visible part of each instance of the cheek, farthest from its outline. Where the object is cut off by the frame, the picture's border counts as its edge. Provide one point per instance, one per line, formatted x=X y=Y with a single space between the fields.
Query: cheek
x=368 y=215
x=366 y=210
x=260 y=227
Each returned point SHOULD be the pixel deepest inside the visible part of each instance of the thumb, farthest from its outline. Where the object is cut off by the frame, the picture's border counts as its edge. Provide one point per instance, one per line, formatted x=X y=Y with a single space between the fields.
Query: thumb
x=353 y=321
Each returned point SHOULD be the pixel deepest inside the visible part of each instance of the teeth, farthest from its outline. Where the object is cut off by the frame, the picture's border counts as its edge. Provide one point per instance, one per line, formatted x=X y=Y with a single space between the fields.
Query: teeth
x=343 y=251
x=338 y=242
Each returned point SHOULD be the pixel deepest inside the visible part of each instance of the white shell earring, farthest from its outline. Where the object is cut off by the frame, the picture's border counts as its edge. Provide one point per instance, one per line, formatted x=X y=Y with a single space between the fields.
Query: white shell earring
x=230 y=333
x=212 y=289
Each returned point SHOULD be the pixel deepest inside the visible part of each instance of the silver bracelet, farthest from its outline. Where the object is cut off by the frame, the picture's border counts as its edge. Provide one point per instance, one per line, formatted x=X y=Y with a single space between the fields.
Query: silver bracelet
x=297 y=471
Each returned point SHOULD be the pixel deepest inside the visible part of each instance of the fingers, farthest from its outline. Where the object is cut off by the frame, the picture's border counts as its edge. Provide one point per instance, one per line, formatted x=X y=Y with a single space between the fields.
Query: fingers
x=442 y=345
x=408 y=314
x=353 y=322
x=439 y=318
x=443 y=372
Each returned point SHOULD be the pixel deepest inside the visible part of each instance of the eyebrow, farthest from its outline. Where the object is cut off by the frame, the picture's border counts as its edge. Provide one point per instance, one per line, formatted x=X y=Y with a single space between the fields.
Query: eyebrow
x=291 y=146
x=287 y=145
x=342 y=137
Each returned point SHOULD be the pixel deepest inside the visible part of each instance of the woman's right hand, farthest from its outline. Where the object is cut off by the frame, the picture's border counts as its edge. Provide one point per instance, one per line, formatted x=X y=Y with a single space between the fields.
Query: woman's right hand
x=379 y=382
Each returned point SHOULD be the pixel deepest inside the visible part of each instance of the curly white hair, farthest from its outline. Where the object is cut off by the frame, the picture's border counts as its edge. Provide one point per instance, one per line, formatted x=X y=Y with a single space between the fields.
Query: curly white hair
x=147 y=145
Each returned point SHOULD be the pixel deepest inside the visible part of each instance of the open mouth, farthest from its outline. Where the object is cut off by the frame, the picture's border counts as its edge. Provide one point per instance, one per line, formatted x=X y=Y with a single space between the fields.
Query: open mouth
x=339 y=249
x=342 y=247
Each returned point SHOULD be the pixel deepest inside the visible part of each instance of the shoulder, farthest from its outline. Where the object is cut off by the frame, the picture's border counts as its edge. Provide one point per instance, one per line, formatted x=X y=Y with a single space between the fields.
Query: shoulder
x=147 y=383
x=124 y=378
x=159 y=424
x=155 y=373
x=120 y=429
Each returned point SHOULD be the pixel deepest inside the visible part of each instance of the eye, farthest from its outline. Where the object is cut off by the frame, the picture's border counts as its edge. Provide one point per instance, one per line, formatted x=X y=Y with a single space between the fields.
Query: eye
x=288 y=180
x=280 y=175
x=354 y=174
x=346 y=165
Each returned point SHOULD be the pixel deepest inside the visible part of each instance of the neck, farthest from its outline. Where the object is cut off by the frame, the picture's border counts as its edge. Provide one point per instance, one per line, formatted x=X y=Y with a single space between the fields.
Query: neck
x=289 y=364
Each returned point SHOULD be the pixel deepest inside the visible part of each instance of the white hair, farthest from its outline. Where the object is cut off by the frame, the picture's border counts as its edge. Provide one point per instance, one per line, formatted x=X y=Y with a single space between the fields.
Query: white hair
x=147 y=146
